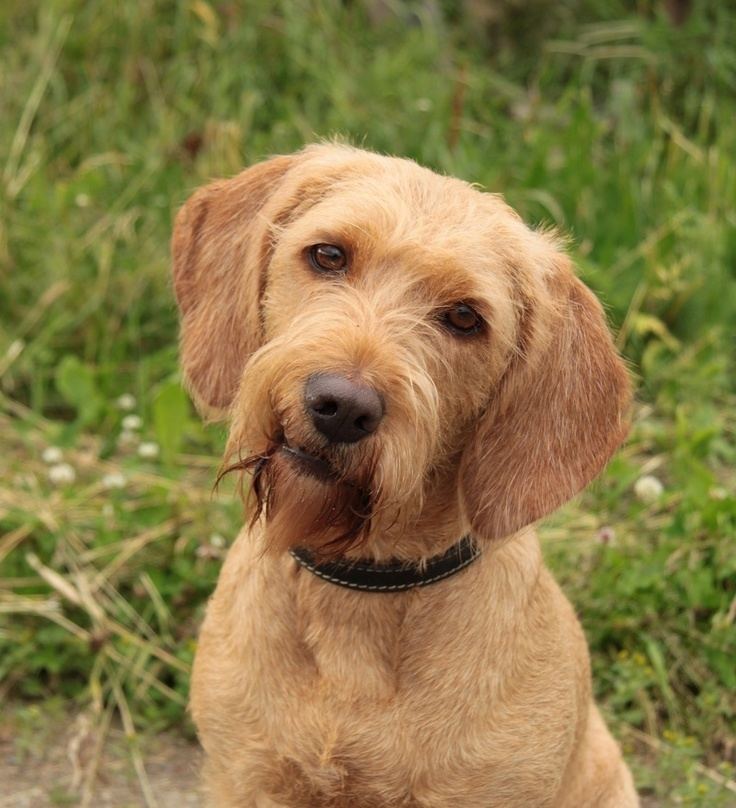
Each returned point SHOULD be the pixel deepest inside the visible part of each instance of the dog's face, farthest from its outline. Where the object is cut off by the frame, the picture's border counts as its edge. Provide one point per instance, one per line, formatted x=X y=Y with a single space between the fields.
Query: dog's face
x=381 y=334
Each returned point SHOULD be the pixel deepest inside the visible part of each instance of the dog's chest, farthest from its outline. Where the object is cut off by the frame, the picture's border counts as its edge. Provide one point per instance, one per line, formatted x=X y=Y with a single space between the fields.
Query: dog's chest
x=362 y=743
x=360 y=712
x=391 y=710
x=377 y=749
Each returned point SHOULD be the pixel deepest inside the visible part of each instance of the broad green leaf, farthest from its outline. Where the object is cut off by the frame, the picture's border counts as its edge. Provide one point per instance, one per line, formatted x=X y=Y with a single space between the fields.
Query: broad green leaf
x=75 y=382
x=170 y=416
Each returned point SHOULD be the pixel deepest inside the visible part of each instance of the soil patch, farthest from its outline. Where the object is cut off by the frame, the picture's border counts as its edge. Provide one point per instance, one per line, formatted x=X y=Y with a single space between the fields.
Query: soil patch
x=50 y=758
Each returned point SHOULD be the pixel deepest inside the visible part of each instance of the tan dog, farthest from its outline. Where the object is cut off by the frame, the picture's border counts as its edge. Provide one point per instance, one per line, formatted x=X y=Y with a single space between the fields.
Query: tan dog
x=404 y=363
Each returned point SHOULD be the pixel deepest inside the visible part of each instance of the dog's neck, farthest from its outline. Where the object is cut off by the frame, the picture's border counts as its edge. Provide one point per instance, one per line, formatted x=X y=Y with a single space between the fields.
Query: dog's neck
x=438 y=526
x=429 y=536
x=355 y=643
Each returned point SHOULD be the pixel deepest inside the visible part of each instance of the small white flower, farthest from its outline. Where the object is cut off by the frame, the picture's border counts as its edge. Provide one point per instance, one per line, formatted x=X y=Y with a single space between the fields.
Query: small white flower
x=82 y=200
x=126 y=402
x=148 y=450
x=216 y=540
x=648 y=489
x=127 y=438
x=62 y=474
x=114 y=480
x=132 y=422
x=51 y=455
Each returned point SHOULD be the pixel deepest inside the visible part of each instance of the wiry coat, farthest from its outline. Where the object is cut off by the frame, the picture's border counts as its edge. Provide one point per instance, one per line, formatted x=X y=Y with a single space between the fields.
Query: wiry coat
x=474 y=691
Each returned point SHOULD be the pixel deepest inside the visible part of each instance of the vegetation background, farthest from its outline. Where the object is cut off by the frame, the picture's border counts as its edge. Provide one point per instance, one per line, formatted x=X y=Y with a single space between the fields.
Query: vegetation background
x=613 y=120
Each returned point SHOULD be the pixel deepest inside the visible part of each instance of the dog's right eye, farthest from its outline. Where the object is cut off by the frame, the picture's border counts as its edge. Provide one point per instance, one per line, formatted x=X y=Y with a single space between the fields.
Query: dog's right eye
x=327 y=258
x=463 y=320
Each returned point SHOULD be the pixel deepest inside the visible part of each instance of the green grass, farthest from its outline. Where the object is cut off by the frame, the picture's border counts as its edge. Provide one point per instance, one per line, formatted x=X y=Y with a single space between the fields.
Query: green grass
x=615 y=126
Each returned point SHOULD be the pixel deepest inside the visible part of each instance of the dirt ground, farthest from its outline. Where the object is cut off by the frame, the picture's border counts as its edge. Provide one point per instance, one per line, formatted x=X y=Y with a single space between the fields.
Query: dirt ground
x=48 y=761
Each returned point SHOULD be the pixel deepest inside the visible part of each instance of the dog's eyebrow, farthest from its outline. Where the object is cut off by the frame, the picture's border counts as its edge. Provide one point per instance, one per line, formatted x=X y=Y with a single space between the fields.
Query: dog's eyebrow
x=301 y=200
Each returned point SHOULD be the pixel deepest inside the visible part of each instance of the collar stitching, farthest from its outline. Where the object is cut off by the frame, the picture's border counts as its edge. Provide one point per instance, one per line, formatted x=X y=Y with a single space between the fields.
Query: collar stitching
x=464 y=545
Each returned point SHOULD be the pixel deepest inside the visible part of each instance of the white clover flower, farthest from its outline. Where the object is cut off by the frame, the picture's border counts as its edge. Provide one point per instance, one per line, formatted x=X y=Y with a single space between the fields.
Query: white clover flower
x=62 y=474
x=127 y=438
x=51 y=455
x=648 y=489
x=114 y=480
x=82 y=200
x=126 y=402
x=132 y=422
x=148 y=450
x=216 y=540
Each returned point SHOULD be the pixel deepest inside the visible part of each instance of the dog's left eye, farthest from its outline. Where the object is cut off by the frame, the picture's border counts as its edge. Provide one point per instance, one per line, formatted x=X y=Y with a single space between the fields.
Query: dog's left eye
x=327 y=258
x=462 y=319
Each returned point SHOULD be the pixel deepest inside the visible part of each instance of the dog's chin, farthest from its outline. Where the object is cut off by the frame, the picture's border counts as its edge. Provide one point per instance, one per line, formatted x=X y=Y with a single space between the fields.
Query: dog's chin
x=307 y=502
x=309 y=464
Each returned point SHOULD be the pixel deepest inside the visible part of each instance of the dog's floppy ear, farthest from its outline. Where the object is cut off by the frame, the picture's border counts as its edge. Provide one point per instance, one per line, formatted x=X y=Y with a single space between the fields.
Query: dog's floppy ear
x=560 y=412
x=220 y=249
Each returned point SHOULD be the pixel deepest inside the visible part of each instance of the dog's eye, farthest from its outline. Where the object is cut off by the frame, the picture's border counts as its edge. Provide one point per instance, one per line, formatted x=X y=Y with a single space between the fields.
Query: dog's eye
x=327 y=258
x=462 y=319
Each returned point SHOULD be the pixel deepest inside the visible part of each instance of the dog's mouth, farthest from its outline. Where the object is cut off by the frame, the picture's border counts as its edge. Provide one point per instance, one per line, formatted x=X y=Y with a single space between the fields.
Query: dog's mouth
x=308 y=500
x=307 y=463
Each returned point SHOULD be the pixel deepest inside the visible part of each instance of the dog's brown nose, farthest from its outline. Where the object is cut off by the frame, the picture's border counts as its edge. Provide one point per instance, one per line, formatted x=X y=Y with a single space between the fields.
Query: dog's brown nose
x=343 y=410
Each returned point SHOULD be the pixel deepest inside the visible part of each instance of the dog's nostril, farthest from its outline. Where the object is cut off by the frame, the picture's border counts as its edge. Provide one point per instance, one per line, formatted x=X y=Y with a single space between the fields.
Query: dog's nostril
x=364 y=423
x=326 y=408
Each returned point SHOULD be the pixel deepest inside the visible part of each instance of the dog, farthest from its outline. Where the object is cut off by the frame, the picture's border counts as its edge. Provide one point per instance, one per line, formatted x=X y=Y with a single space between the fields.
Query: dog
x=413 y=377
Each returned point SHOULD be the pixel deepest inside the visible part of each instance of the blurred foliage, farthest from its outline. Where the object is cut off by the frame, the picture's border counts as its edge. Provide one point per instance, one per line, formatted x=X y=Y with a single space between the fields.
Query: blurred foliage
x=602 y=118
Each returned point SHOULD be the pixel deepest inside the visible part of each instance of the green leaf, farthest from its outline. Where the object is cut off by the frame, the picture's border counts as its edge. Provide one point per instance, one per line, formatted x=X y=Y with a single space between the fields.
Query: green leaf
x=75 y=382
x=657 y=660
x=170 y=417
x=648 y=324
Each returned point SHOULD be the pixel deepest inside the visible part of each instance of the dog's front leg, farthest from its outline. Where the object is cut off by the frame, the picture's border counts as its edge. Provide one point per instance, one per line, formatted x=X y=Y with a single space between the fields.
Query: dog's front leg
x=598 y=776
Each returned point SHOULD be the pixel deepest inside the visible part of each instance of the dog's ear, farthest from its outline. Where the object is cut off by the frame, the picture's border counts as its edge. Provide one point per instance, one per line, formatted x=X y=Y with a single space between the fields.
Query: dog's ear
x=559 y=413
x=221 y=247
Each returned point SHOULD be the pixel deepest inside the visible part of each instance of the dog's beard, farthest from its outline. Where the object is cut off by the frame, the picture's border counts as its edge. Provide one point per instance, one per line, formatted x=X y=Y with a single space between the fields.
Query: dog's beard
x=326 y=512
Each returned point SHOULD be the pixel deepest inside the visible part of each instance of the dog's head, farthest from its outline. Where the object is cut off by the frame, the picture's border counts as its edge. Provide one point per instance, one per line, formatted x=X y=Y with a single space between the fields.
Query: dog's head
x=380 y=334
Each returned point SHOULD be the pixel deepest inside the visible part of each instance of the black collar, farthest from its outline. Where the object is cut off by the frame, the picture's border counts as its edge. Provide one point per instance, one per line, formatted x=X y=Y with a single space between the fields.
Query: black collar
x=390 y=576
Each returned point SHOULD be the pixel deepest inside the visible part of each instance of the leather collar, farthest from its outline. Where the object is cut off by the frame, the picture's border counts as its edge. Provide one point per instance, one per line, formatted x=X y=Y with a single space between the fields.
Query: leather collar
x=390 y=576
